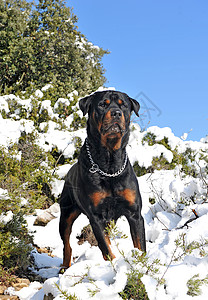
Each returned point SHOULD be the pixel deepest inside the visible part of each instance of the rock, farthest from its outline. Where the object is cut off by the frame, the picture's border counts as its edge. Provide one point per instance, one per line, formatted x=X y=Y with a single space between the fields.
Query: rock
x=20 y=283
x=2 y=289
x=54 y=209
x=7 y=297
x=44 y=218
x=47 y=215
x=23 y=280
x=43 y=250
x=17 y=285
x=87 y=235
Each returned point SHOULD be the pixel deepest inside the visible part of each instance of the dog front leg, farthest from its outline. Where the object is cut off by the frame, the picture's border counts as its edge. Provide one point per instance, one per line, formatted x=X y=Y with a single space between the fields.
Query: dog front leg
x=102 y=239
x=65 y=228
x=136 y=223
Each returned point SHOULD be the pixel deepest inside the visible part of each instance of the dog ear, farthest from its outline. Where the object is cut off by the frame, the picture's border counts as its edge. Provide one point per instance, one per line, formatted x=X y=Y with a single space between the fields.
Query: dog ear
x=84 y=104
x=135 y=106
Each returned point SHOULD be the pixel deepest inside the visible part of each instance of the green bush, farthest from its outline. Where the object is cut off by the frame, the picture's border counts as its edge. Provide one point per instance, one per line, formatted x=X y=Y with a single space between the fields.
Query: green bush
x=27 y=178
x=149 y=138
x=161 y=163
x=194 y=284
x=140 y=171
x=15 y=246
x=135 y=288
x=41 y=44
x=185 y=160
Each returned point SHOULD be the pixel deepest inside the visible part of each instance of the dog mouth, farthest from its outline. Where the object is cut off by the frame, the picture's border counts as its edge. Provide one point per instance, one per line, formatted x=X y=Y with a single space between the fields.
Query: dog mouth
x=113 y=129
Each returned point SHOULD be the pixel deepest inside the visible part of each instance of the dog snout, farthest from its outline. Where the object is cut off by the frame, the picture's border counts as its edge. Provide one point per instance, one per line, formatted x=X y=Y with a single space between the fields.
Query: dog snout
x=116 y=113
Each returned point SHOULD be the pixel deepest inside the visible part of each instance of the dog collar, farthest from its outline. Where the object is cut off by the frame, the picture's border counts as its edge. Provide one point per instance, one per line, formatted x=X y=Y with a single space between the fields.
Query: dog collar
x=95 y=168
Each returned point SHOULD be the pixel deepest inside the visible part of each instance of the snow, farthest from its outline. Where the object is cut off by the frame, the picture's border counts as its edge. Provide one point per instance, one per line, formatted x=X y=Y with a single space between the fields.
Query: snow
x=166 y=219
x=46 y=87
x=3 y=104
x=46 y=105
x=39 y=93
x=29 y=293
x=7 y=217
x=204 y=140
x=61 y=101
x=3 y=194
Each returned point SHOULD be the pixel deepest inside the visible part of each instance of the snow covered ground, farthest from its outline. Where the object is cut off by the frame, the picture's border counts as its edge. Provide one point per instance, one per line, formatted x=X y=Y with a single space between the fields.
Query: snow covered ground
x=175 y=209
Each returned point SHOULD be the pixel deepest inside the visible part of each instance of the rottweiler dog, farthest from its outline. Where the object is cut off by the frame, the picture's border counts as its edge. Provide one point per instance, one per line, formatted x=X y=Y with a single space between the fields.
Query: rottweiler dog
x=102 y=184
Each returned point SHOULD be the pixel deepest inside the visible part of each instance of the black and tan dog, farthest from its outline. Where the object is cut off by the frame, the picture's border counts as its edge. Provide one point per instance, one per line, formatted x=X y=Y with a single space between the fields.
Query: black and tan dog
x=102 y=184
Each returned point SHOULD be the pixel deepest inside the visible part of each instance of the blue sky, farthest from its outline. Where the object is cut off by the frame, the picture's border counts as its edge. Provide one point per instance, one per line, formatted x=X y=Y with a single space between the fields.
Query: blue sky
x=159 y=55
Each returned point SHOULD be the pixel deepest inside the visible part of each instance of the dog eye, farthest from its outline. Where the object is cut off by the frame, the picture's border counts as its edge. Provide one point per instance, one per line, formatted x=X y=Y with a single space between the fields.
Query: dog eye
x=104 y=103
x=121 y=102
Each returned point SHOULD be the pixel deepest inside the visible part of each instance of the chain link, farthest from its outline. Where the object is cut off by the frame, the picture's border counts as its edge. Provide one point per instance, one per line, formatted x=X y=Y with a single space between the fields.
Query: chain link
x=95 y=168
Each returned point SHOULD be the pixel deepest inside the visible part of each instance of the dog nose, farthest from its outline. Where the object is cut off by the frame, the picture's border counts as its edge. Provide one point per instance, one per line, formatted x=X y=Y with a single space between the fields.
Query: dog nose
x=115 y=113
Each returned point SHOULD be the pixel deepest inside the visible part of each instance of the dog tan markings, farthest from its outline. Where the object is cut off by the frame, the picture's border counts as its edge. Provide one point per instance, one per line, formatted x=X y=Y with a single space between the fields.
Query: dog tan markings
x=108 y=242
x=129 y=195
x=120 y=135
x=137 y=243
x=107 y=120
x=93 y=115
x=111 y=255
x=67 y=247
x=96 y=197
x=117 y=136
x=108 y=117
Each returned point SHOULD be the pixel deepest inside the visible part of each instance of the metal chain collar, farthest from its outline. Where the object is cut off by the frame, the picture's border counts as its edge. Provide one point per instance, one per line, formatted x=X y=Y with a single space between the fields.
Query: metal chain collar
x=95 y=168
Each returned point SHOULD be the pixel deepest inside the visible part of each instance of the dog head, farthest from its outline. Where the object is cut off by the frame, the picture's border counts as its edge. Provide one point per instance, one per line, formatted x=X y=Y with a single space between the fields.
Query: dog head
x=109 y=115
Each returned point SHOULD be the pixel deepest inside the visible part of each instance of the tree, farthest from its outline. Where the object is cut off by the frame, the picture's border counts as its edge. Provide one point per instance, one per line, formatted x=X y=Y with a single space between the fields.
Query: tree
x=15 y=45
x=43 y=45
